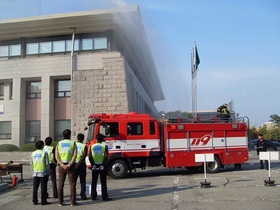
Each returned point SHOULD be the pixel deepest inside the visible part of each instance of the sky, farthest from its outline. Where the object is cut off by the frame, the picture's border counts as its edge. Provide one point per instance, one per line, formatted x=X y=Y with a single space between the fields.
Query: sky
x=238 y=43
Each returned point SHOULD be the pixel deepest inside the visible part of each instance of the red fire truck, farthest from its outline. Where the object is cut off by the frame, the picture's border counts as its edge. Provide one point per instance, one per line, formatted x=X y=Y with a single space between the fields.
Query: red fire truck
x=138 y=140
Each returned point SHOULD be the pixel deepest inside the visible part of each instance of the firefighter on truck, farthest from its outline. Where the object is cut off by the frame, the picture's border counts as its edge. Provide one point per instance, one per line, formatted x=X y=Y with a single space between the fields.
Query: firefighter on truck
x=138 y=140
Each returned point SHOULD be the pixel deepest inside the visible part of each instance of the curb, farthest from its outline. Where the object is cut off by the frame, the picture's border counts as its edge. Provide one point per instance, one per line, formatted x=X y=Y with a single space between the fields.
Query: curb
x=3 y=186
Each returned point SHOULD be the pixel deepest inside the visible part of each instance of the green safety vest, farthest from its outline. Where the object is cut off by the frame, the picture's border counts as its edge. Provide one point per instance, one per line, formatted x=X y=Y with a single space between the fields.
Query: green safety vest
x=225 y=111
x=66 y=150
x=80 y=151
x=98 y=152
x=39 y=162
x=49 y=150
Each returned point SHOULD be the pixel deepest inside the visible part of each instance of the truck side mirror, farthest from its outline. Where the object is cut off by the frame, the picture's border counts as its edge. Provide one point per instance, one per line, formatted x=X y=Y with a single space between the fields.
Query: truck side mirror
x=107 y=130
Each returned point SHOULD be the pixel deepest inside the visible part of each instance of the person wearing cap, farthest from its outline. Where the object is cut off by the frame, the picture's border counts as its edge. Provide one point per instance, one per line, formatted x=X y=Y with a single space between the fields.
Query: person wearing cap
x=40 y=168
x=262 y=147
x=224 y=113
x=80 y=164
x=98 y=157
x=66 y=153
x=51 y=152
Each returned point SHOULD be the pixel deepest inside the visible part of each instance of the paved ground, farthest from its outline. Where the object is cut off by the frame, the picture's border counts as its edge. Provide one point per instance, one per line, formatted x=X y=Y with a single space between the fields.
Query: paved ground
x=169 y=189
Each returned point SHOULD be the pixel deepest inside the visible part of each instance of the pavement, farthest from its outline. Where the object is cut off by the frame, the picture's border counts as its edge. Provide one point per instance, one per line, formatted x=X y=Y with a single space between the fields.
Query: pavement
x=168 y=189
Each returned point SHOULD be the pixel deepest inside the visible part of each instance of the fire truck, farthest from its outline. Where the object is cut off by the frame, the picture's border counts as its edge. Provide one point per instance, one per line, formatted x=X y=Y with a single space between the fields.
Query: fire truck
x=139 y=140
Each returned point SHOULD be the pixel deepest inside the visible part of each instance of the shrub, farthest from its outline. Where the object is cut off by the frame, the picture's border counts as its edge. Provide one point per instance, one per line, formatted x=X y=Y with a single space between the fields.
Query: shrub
x=54 y=143
x=8 y=148
x=29 y=147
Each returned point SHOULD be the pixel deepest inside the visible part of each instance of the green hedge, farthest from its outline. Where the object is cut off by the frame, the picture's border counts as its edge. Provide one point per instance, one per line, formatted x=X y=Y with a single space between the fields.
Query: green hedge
x=8 y=148
x=29 y=147
x=54 y=143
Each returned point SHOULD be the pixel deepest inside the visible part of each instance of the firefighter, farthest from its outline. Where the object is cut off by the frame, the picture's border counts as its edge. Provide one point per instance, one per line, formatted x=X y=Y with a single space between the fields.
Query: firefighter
x=262 y=147
x=40 y=168
x=66 y=153
x=80 y=164
x=224 y=113
x=98 y=157
x=51 y=152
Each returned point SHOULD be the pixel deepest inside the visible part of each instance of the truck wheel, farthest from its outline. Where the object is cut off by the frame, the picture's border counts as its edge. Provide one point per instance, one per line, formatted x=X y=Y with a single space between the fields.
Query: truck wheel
x=117 y=169
x=213 y=167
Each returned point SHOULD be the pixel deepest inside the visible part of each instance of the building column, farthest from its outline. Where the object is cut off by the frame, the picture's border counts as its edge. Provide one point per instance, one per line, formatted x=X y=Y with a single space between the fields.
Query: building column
x=47 y=107
x=18 y=119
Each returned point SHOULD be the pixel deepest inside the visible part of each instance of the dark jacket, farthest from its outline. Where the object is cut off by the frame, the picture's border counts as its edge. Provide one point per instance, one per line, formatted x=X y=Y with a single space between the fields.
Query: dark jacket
x=223 y=110
x=261 y=146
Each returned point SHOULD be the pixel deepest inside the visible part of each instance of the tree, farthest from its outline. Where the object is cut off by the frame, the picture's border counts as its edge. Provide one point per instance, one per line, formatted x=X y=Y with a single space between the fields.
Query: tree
x=275 y=119
x=253 y=133
x=275 y=132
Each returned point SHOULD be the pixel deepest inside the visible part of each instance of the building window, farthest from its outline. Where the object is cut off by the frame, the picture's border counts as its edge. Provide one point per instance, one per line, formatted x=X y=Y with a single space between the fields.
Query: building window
x=100 y=43
x=33 y=131
x=59 y=46
x=10 y=50
x=5 y=130
x=11 y=90
x=15 y=50
x=69 y=45
x=45 y=47
x=33 y=90
x=4 y=51
x=87 y=44
x=63 y=88
x=32 y=48
x=60 y=126
x=134 y=129
x=1 y=91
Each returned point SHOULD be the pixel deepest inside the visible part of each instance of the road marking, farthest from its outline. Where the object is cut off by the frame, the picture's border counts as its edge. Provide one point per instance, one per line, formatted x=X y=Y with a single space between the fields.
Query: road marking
x=175 y=194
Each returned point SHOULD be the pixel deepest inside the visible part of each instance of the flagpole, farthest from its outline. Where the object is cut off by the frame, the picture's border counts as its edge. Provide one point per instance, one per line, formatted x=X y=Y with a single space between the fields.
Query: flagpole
x=194 y=100
x=194 y=68
x=192 y=74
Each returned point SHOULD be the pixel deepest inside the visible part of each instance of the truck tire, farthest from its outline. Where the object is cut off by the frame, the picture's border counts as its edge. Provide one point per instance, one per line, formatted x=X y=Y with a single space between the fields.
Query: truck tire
x=213 y=167
x=117 y=169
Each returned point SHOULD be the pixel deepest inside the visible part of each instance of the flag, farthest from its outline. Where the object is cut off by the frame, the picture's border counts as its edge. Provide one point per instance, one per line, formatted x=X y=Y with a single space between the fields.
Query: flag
x=196 y=57
x=195 y=62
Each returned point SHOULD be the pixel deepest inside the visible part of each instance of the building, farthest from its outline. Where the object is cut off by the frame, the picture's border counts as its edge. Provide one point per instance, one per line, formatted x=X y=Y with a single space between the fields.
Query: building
x=269 y=125
x=55 y=70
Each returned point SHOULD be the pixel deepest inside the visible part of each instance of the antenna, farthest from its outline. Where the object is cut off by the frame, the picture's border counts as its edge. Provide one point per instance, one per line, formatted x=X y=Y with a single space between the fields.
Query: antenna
x=39 y=7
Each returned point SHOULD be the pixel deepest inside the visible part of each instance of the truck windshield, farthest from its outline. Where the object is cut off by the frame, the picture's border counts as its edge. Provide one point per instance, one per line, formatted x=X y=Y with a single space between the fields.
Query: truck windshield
x=91 y=132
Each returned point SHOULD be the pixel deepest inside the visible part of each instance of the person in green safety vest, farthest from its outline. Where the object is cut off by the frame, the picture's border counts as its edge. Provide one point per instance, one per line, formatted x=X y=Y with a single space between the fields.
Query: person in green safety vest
x=80 y=164
x=224 y=113
x=51 y=152
x=66 y=153
x=98 y=157
x=40 y=168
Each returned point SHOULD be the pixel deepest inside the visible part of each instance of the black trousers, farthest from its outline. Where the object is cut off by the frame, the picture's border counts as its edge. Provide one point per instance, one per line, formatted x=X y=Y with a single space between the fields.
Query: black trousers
x=53 y=179
x=37 y=181
x=103 y=179
x=81 y=173
x=225 y=118
x=262 y=165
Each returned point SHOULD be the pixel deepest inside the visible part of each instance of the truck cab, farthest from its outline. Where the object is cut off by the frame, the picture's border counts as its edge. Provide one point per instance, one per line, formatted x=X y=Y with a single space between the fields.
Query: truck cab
x=133 y=140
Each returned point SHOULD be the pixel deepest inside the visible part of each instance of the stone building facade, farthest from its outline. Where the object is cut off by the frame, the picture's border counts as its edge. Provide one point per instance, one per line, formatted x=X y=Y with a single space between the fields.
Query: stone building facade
x=56 y=70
